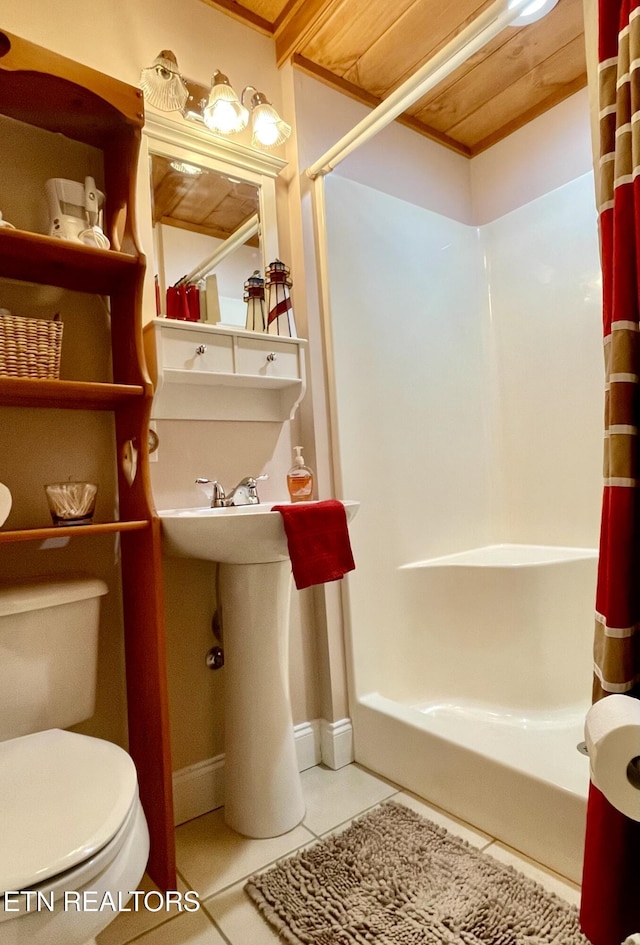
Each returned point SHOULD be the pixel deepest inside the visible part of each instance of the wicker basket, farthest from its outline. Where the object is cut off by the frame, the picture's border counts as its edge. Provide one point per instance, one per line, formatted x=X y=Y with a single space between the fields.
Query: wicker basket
x=30 y=347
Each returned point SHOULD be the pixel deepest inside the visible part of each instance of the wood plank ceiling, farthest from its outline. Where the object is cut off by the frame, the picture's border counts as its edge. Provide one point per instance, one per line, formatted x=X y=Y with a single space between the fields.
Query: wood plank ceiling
x=207 y=202
x=367 y=48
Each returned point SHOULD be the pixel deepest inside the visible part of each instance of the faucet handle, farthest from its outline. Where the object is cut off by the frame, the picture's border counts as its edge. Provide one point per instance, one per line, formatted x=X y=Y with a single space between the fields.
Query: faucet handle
x=251 y=483
x=218 y=495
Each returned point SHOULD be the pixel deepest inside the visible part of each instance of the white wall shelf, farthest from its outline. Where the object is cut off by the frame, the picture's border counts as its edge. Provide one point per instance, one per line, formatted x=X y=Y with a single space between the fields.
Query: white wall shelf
x=212 y=372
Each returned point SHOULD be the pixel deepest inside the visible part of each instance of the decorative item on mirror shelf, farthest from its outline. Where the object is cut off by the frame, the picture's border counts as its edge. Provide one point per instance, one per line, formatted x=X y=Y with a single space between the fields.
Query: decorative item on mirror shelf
x=280 y=320
x=254 y=297
x=183 y=302
x=5 y=223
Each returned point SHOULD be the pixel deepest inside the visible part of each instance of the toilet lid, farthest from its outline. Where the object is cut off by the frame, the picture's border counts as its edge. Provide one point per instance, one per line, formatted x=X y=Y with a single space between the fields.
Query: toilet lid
x=63 y=796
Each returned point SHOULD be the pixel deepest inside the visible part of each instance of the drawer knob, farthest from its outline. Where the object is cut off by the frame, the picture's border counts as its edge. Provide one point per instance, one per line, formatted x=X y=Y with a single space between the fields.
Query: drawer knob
x=272 y=356
x=201 y=349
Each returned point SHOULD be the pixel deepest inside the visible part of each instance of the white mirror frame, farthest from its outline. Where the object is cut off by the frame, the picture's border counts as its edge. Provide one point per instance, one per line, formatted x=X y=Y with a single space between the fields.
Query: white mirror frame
x=194 y=144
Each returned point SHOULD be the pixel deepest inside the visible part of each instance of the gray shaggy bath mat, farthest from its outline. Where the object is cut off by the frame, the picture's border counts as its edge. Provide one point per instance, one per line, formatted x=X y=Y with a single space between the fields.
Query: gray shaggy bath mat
x=394 y=878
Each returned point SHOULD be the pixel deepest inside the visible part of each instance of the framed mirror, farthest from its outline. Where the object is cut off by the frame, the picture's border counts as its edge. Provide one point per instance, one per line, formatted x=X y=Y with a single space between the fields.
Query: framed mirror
x=213 y=215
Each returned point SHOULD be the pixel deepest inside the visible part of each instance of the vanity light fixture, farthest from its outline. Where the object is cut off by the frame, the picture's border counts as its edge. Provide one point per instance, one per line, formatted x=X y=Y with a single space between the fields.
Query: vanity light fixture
x=162 y=85
x=533 y=11
x=224 y=113
x=269 y=130
x=219 y=106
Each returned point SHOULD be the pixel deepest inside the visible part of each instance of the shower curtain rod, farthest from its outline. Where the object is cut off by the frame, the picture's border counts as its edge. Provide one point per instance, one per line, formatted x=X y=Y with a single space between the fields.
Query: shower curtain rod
x=238 y=238
x=483 y=29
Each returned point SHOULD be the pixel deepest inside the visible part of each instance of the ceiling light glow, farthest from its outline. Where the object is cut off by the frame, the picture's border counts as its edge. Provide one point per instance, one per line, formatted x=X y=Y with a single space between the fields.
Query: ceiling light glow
x=532 y=11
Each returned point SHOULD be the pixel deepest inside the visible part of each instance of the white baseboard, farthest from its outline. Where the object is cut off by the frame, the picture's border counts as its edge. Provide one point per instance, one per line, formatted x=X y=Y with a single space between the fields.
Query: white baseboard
x=336 y=743
x=307 y=736
x=199 y=788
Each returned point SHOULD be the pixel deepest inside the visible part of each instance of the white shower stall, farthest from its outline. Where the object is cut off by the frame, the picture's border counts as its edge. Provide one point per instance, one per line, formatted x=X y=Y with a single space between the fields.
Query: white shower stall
x=467 y=399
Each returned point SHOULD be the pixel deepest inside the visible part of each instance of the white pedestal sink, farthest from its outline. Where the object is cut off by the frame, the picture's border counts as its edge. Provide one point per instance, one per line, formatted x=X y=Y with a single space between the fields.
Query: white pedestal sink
x=263 y=794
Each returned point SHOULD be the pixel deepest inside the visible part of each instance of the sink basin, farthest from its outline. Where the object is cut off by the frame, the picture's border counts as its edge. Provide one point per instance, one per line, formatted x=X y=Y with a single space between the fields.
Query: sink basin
x=243 y=534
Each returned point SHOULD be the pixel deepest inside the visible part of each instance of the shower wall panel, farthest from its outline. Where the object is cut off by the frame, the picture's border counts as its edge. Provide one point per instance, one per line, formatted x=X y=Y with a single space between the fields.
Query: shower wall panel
x=545 y=289
x=408 y=307
x=468 y=375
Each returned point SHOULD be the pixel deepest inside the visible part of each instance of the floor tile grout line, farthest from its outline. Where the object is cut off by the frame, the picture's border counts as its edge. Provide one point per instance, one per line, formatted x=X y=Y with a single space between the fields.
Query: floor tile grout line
x=218 y=929
x=349 y=820
x=153 y=928
x=205 y=902
x=314 y=837
x=260 y=869
x=171 y=918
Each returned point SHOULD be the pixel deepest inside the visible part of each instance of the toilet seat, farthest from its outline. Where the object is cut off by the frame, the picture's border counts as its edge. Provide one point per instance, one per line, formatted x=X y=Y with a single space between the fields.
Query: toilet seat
x=85 y=873
x=65 y=797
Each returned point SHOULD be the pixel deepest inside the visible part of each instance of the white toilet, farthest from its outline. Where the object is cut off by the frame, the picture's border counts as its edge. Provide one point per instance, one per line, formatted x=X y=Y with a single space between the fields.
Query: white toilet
x=72 y=829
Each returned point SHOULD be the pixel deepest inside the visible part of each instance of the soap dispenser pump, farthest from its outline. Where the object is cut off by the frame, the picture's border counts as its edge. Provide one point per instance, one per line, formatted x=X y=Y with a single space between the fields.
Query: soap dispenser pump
x=300 y=479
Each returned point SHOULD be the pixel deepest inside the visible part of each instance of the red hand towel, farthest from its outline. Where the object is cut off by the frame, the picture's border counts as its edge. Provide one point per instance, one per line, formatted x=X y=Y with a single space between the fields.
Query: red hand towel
x=318 y=539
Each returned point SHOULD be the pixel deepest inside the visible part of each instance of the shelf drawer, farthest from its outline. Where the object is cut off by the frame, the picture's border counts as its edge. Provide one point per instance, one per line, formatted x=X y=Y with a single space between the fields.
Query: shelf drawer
x=180 y=351
x=265 y=357
x=241 y=375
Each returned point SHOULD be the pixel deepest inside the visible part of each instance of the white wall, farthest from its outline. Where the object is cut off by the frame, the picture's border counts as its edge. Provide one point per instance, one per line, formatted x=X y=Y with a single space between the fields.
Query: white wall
x=468 y=384
x=397 y=161
x=541 y=157
x=547 y=153
x=546 y=312
x=408 y=328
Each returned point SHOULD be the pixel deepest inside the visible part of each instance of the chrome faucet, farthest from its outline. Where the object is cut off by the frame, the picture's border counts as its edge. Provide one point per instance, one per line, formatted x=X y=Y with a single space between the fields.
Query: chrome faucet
x=245 y=493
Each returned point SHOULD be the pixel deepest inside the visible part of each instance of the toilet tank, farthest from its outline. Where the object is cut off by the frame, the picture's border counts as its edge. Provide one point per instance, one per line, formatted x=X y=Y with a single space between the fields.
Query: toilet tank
x=48 y=653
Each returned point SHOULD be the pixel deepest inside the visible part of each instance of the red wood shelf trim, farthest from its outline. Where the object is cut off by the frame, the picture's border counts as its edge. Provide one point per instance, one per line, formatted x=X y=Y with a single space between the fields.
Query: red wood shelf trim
x=76 y=395
x=65 y=531
x=34 y=257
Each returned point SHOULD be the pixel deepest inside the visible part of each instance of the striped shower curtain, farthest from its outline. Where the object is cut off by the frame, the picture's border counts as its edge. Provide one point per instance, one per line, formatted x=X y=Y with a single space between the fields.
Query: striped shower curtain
x=610 y=908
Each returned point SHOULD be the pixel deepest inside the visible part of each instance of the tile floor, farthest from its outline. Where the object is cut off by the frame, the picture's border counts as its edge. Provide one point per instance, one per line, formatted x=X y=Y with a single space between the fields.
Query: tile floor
x=214 y=861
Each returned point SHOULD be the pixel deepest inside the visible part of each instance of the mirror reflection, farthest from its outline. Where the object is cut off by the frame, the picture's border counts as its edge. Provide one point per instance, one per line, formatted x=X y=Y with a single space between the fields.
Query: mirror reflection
x=205 y=226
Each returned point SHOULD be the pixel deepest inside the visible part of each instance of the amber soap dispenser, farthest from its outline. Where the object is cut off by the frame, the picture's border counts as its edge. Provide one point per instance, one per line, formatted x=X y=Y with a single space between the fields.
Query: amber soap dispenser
x=300 y=479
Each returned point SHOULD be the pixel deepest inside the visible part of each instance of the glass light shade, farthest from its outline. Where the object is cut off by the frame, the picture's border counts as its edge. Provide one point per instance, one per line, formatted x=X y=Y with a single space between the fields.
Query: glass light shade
x=533 y=11
x=224 y=112
x=269 y=130
x=183 y=168
x=162 y=84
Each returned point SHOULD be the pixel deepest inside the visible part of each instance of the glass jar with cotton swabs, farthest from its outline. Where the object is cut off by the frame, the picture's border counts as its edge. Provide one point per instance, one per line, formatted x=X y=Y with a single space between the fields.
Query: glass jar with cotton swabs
x=71 y=503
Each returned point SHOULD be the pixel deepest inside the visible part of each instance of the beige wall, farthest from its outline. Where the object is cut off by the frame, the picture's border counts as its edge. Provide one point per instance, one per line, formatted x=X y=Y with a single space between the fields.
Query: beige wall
x=38 y=447
x=120 y=38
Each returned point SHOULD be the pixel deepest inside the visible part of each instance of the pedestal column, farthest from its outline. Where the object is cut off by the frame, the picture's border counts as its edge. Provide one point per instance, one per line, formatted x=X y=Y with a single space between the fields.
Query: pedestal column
x=263 y=793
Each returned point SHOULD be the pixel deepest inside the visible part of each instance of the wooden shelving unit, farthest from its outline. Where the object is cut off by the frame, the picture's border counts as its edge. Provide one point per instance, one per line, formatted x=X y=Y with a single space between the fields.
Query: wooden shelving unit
x=34 y=257
x=74 y=395
x=49 y=92
x=69 y=531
